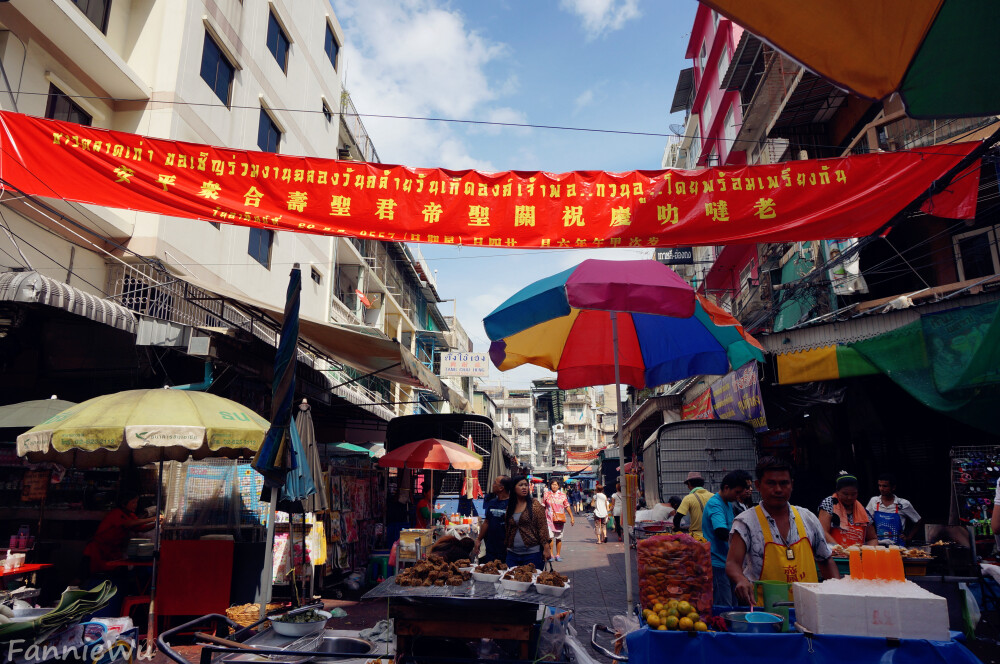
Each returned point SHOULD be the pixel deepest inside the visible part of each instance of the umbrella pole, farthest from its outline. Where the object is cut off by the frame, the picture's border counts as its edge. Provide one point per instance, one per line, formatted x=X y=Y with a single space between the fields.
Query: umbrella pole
x=267 y=574
x=151 y=620
x=621 y=466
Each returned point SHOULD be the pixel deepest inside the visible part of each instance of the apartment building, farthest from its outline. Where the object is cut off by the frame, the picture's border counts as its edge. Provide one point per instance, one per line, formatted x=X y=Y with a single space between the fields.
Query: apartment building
x=188 y=299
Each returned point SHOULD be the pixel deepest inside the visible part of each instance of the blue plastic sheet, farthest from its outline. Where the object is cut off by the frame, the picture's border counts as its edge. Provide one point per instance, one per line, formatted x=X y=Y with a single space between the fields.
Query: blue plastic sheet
x=647 y=646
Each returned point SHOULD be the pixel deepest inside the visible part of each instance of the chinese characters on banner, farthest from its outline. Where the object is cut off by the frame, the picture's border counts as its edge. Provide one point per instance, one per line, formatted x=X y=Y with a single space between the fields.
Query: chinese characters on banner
x=736 y=396
x=794 y=201
x=465 y=364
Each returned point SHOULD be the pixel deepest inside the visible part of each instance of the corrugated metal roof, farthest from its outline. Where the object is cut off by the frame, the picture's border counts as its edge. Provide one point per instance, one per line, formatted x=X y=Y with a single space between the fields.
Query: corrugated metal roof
x=862 y=326
x=748 y=51
x=682 y=94
x=36 y=288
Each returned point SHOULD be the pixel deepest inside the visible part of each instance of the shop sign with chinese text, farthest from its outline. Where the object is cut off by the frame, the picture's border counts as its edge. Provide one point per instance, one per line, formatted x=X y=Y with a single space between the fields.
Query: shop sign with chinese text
x=465 y=364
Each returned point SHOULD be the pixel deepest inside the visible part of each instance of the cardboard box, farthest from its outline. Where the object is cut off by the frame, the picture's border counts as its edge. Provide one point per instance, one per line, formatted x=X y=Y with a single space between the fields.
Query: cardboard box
x=885 y=612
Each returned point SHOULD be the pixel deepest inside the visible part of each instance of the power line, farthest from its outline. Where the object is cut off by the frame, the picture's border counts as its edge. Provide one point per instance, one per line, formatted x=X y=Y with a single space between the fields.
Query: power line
x=462 y=121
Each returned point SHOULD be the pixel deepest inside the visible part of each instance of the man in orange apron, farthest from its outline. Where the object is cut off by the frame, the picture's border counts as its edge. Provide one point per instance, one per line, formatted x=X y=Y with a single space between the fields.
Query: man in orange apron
x=776 y=541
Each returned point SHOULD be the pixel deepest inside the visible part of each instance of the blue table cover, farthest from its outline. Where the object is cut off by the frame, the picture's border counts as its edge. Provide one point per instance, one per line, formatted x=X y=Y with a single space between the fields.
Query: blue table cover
x=647 y=646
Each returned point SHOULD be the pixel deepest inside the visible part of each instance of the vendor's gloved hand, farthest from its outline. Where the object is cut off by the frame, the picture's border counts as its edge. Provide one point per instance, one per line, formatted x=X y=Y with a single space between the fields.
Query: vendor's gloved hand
x=886 y=542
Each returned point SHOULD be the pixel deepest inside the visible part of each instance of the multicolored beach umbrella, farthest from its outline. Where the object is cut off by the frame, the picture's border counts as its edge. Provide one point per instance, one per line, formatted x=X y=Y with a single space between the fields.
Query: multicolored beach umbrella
x=666 y=332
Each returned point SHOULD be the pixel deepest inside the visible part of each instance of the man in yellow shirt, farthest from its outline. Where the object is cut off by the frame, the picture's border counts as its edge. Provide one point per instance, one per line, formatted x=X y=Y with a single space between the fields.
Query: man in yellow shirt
x=693 y=505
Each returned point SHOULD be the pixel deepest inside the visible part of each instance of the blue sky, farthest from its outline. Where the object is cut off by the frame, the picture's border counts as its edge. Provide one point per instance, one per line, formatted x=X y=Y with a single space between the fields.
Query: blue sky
x=602 y=64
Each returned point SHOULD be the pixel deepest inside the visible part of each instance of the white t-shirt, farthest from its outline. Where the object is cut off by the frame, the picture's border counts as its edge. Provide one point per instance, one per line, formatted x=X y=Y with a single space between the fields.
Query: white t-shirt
x=619 y=503
x=996 y=498
x=600 y=505
x=905 y=508
x=747 y=526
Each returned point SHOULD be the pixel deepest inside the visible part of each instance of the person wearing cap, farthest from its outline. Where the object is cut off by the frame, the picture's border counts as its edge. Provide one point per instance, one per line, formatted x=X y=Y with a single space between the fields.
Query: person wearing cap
x=693 y=505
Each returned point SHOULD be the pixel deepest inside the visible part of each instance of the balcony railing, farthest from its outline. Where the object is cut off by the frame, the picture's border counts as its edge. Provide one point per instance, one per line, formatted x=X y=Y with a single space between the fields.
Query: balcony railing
x=352 y=120
x=898 y=132
x=155 y=293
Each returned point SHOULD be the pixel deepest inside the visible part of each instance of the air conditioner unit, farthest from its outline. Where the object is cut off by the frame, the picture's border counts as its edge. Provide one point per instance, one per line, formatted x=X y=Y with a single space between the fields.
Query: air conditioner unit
x=344 y=153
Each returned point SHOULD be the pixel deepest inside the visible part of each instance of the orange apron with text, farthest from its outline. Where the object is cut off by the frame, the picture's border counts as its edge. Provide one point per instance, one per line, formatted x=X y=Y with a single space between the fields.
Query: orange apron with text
x=786 y=564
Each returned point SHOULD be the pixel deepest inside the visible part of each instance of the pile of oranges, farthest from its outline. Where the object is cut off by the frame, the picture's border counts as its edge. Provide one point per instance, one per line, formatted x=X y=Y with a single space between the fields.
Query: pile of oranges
x=674 y=615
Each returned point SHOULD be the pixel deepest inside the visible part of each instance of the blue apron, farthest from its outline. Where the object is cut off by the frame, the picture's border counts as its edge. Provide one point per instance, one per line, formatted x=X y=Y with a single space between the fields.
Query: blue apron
x=888 y=525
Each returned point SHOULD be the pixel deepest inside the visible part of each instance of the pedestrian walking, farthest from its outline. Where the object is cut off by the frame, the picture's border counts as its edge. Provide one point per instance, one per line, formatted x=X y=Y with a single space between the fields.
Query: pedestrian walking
x=618 y=509
x=601 y=516
x=527 y=535
x=557 y=508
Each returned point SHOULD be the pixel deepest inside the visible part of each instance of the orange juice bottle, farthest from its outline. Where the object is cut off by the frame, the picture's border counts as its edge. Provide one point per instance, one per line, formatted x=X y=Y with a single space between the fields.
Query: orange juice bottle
x=868 y=562
x=883 y=563
x=857 y=571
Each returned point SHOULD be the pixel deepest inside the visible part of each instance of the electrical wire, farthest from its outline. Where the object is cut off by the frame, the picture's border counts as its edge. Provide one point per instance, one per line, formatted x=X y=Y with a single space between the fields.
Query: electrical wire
x=461 y=121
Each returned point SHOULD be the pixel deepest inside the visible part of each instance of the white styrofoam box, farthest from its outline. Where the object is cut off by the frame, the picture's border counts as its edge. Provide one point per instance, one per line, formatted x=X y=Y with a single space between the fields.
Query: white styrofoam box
x=903 y=611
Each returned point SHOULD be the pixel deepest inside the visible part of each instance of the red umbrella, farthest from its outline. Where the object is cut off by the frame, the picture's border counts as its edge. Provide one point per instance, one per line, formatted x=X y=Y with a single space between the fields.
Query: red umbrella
x=432 y=454
x=537 y=480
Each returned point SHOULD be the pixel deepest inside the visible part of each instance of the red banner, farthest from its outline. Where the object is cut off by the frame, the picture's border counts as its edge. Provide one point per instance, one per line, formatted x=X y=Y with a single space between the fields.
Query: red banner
x=700 y=408
x=792 y=201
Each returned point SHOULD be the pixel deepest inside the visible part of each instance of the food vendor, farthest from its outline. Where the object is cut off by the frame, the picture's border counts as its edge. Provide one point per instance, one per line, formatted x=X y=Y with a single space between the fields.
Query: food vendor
x=108 y=543
x=776 y=541
x=844 y=520
x=693 y=505
x=895 y=519
x=425 y=507
x=527 y=534
x=491 y=527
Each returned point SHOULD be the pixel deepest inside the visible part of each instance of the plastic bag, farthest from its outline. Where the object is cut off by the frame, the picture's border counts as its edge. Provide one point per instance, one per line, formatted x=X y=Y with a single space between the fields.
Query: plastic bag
x=675 y=567
x=552 y=636
x=623 y=625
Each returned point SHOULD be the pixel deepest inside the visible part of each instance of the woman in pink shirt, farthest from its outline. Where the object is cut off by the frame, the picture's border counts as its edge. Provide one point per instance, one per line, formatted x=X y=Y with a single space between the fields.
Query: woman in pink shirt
x=556 y=510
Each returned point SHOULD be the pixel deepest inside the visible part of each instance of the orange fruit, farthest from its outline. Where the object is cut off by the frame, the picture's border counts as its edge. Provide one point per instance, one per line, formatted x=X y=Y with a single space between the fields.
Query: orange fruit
x=672 y=622
x=693 y=616
x=662 y=627
x=685 y=624
x=700 y=627
x=672 y=604
x=684 y=608
x=673 y=612
x=653 y=620
x=657 y=607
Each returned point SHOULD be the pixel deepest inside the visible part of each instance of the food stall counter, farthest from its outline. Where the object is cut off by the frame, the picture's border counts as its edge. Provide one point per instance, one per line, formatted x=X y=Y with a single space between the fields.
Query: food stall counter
x=646 y=646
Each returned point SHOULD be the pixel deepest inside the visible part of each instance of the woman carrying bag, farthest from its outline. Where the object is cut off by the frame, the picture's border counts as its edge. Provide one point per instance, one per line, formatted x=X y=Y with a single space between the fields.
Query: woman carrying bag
x=527 y=535
x=557 y=508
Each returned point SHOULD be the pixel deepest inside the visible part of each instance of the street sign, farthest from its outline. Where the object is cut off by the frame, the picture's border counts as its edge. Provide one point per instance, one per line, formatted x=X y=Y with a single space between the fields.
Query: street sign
x=465 y=364
x=676 y=256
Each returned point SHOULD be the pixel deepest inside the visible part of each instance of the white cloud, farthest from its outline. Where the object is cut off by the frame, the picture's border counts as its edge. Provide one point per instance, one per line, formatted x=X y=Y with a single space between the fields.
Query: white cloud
x=584 y=100
x=419 y=58
x=600 y=16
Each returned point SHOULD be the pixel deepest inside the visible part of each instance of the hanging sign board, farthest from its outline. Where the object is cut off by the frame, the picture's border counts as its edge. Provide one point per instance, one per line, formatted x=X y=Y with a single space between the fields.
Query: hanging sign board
x=35 y=485
x=465 y=364
x=676 y=256
x=736 y=396
x=793 y=201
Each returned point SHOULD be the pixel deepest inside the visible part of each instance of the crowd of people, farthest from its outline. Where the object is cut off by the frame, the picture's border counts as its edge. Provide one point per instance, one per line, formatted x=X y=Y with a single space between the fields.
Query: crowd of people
x=773 y=540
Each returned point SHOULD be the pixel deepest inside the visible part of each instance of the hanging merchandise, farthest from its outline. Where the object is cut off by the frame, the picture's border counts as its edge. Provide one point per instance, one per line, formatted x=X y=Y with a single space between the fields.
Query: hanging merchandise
x=803 y=200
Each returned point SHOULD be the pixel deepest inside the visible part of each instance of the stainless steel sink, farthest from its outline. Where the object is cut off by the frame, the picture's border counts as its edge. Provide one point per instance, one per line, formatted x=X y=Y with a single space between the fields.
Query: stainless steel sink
x=344 y=645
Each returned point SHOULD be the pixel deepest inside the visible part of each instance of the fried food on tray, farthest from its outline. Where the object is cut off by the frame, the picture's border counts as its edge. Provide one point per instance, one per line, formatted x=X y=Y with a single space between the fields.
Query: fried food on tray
x=916 y=553
x=463 y=562
x=494 y=567
x=524 y=573
x=552 y=579
x=433 y=571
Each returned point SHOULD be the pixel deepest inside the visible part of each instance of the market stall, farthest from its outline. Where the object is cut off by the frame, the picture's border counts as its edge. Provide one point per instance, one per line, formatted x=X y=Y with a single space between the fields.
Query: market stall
x=471 y=605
